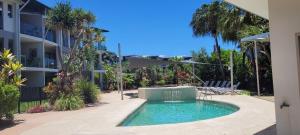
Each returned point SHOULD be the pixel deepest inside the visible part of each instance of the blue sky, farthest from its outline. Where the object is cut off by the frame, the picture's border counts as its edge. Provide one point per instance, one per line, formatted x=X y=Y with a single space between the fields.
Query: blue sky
x=147 y=27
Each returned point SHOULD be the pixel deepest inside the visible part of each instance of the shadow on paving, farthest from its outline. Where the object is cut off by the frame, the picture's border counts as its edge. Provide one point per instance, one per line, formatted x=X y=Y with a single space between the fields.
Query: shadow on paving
x=132 y=95
x=8 y=124
x=96 y=104
x=268 y=131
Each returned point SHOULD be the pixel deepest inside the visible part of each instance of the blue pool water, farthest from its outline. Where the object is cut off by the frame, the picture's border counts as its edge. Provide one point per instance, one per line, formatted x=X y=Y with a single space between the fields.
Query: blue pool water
x=153 y=113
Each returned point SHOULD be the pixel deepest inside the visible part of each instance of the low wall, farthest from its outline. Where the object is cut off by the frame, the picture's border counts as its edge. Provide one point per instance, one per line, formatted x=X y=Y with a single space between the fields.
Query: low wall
x=168 y=93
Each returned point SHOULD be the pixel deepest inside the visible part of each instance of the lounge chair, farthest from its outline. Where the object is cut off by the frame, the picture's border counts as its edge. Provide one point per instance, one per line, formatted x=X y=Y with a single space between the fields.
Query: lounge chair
x=205 y=84
x=223 y=84
x=209 y=86
x=217 y=84
x=226 y=90
x=215 y=89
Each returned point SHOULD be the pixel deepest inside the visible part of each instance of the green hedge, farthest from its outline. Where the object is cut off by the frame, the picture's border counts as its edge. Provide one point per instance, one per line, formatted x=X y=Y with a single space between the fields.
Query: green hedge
x=9 y=96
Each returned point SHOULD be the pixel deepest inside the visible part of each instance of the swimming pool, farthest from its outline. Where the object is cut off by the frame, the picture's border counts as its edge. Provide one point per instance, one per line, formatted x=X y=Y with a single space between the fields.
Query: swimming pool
x=162 y=112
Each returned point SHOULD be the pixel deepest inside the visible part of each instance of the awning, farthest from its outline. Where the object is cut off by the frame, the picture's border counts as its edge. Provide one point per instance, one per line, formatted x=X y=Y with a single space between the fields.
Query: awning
x=259 y=37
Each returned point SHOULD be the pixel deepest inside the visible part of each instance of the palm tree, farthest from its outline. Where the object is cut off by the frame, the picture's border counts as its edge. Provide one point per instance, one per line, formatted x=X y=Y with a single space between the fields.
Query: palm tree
x=77 y=21
x=206 y=22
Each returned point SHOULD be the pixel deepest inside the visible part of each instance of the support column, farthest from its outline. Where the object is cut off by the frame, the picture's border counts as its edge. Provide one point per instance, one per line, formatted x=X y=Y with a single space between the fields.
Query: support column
x=257 y=69
x=231 y=71
x=120 y=71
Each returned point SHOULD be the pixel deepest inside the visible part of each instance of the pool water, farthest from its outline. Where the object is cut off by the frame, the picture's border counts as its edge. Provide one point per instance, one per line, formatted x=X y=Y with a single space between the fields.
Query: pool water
x=161 y=112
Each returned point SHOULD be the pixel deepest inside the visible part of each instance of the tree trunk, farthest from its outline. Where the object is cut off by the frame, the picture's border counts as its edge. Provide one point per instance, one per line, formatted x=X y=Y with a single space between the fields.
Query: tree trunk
x=218 y=52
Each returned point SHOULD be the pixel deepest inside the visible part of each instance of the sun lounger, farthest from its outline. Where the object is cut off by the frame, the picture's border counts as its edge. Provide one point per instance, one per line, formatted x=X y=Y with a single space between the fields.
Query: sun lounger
x=226 y=90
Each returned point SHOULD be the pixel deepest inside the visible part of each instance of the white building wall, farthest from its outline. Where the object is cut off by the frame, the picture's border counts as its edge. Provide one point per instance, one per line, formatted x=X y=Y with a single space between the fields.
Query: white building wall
x=284 y=24
x=9 y=23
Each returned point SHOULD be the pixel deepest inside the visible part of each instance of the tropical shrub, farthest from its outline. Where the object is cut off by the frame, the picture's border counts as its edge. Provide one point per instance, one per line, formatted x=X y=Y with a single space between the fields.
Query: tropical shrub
x=183 y=77
x=88 y=90
x=9 y=96
x=10 y=68
x=110 y=76
x=144 y=82
x=57 y=87
x=161 y=82
x=40 y=108
x=128 y=80
x=68 y=102
x=10 y=80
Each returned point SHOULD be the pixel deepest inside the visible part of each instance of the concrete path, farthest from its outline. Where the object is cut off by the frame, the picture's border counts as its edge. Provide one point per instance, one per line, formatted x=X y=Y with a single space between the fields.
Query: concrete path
x=255 y=116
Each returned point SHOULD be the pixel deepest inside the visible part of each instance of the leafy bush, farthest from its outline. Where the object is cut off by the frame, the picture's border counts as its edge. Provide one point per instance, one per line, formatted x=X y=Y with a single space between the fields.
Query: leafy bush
x=9 y=67
x=88 y=90
x=128 y=80
x=161 y=82
x=9 y=95
x=9 y=82
x=110 y=77
x=68 y=102
x=57 y=87
x=145 y=82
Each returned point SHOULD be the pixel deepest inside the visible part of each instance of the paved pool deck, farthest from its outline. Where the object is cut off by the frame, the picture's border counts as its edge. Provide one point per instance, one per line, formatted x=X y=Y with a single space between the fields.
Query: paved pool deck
x=255 y=116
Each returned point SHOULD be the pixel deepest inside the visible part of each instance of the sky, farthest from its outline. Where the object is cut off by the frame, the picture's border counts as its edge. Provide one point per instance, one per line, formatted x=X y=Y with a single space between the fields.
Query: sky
x=147 y=27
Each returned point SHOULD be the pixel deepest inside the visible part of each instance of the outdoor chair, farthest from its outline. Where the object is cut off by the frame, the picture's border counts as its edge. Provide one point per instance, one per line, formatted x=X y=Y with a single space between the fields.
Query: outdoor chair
x=223 y=85
x=210 y=85
x=216 y=85
x=205 y=84
x=226 y=90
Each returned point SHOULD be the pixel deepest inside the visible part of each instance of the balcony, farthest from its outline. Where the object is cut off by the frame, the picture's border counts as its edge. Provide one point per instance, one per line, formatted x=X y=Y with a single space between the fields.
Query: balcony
x=50 y=63
x=51 y=36
x=31 y=62
x=31 y=30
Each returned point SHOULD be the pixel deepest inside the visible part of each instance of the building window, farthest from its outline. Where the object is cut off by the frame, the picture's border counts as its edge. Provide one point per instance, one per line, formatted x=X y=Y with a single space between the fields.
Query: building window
x=10 y=11
x=1 y=15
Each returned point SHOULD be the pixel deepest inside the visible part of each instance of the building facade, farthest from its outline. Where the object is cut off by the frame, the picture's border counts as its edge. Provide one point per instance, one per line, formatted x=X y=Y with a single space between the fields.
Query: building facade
x=23 y=31
x=284 y=20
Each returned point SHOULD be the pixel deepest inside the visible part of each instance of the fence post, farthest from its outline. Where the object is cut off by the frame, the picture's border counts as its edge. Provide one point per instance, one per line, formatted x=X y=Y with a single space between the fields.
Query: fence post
x=40 y=95
x=19 y=102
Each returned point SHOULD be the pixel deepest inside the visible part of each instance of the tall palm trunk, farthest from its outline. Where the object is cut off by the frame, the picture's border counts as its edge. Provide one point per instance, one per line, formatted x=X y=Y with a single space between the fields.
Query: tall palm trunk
x=218 y=52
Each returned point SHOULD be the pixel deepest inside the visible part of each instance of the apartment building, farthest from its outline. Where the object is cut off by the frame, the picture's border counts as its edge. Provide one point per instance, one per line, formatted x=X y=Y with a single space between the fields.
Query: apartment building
x=23 y=31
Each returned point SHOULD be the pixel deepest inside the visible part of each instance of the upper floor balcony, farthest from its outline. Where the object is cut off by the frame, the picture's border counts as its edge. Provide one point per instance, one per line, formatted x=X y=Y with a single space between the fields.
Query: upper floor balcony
x=31 y=61
x=50 y=63
x=50 y=57
x=51 y=36
x=32 y=30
